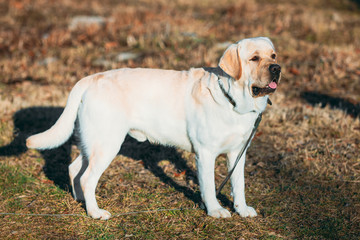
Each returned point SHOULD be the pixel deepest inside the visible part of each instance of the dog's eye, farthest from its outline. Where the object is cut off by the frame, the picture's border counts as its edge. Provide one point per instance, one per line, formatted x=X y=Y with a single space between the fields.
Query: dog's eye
x=273 y=56
x=256 y=90
x=255 y=59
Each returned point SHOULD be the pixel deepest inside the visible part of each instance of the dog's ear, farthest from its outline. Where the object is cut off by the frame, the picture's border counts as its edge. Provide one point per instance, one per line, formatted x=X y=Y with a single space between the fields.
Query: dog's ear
x=230 y=62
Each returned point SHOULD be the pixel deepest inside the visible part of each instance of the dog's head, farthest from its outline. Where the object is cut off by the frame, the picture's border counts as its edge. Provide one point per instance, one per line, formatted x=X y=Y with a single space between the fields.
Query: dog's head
x=252 y=62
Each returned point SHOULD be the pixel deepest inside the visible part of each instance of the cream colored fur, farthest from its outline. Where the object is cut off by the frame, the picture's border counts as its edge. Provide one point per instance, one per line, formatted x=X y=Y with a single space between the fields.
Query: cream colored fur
x=186 y=109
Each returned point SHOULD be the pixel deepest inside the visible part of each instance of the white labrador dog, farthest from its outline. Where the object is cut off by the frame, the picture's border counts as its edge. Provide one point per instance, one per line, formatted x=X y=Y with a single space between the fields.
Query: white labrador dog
x=209 y=111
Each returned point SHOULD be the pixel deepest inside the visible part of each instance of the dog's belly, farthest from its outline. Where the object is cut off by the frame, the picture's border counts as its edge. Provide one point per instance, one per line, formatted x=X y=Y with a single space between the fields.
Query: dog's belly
x=162 y=125
x=170 y=139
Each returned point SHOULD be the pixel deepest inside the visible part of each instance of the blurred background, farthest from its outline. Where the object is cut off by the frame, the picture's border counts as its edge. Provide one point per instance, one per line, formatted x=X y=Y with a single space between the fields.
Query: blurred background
x=46 y=42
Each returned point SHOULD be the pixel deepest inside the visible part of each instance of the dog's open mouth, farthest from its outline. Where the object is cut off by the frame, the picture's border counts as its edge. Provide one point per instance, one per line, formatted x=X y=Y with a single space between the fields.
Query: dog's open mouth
x=270 y=88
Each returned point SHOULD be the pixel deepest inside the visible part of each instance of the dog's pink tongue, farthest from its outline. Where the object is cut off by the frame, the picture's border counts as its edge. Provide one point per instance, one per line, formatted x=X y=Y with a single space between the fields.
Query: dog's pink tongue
x=273 y=85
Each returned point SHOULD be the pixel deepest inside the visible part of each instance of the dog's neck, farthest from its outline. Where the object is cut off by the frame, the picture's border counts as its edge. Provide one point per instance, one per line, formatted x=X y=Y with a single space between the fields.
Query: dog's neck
x=227 y=93
x=221 y=77
x=218 y=72
x=225 y=84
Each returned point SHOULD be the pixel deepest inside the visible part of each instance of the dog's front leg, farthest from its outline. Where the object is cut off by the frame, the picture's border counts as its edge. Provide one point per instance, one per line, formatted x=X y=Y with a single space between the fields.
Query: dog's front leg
x=238 y=185
x=205 y=165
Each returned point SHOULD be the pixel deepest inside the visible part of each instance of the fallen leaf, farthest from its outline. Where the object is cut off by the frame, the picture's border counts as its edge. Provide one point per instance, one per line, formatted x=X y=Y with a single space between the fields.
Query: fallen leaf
x=110 y=45
x=47 y=181
x=180 y=174
x=294 y=71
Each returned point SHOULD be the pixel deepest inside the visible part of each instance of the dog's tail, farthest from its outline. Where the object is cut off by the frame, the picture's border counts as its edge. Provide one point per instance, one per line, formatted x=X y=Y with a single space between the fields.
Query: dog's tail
x=64 y=126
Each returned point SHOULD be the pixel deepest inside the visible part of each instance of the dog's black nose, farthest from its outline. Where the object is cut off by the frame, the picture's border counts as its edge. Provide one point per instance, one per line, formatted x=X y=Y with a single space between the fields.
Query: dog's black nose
x=275 y=68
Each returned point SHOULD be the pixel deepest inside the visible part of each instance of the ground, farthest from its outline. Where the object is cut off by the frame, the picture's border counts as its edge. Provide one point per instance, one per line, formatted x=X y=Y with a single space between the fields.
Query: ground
x=303 y=166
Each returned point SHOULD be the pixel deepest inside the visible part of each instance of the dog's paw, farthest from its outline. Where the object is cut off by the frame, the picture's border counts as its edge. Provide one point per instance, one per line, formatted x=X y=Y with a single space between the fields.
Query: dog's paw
x=246 y=211
x=100 y=214
x=219 y=213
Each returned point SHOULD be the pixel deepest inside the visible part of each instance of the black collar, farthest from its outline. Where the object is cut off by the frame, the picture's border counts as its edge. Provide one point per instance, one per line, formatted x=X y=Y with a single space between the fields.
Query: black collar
x=217 y=71
x=226 y=93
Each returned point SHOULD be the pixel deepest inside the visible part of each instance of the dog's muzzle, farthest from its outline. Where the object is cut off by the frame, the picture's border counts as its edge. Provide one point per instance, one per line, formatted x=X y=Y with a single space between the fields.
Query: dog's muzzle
x=275 y=71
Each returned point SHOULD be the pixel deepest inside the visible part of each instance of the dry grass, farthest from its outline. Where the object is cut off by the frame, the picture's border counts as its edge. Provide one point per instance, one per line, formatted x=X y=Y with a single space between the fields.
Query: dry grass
x=303 y=169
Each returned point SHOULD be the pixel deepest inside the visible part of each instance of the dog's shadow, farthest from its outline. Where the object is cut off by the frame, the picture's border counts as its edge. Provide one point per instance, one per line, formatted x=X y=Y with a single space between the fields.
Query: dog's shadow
x=34 y=120
x=37 y=119
x=316 y=98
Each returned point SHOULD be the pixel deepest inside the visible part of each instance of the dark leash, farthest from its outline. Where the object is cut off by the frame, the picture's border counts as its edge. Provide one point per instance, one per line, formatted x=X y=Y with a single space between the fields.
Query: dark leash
x=256 y=124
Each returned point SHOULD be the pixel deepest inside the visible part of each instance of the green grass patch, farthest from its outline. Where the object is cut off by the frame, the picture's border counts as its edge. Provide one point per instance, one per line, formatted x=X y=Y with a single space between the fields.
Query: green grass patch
x=13 y=181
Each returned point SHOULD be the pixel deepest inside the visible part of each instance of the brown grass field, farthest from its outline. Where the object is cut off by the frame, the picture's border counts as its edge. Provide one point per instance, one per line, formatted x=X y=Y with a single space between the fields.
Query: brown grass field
x=303 y=167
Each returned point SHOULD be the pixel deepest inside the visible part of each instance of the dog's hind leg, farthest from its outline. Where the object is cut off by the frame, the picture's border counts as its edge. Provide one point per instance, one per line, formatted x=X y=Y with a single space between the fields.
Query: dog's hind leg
x=101 y=138
x=101 y=155
x=101 y=152
x=76 y=169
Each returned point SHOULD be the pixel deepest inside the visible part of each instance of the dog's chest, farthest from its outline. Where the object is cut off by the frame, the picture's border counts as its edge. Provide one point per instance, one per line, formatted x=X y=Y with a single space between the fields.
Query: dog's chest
x=222 y=134
x=231 y=137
